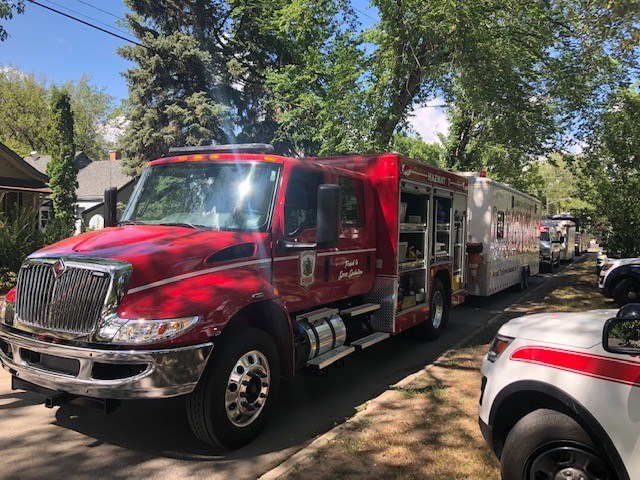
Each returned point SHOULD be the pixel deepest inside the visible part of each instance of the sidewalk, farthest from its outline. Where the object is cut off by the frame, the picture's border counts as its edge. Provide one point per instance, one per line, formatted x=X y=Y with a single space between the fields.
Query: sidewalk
x=425 y=426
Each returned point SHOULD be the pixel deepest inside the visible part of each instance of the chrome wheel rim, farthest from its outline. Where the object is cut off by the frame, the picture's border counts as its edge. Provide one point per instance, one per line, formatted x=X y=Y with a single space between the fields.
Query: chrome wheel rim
x=247 y=388
x=568 y=463
x=437 y=309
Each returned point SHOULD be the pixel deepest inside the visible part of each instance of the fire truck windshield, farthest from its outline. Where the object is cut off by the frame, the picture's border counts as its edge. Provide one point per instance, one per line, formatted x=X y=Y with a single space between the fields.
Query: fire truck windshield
x=209 y=195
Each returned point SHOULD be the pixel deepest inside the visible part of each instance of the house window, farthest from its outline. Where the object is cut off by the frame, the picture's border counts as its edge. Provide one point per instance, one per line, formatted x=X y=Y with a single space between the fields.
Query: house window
x=45 y=217
x=301 y=201
x=352 y=193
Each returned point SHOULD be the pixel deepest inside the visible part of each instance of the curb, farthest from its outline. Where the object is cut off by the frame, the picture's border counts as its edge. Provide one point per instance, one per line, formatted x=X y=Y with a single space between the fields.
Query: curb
x=320 y=442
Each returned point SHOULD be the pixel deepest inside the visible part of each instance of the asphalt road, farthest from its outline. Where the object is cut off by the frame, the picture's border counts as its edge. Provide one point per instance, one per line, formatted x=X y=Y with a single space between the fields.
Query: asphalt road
x=145 y=439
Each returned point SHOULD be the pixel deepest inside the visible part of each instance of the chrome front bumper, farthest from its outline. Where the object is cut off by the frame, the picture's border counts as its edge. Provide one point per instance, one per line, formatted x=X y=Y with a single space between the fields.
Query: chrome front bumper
x=154 y=373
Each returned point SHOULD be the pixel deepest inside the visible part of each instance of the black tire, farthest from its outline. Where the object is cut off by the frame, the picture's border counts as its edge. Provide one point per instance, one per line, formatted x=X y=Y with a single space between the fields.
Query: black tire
x=626 y=291
x=207 y=410
x=524 y=280
x=546 y=442
x=438 y=313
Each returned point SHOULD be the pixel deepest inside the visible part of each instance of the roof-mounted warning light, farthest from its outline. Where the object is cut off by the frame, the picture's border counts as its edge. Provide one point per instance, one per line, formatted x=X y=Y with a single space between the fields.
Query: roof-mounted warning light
x=229 y=148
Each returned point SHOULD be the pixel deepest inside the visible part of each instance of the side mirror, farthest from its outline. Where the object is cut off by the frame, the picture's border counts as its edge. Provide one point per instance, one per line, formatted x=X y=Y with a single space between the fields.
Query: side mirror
x=110 y=213
x=622 y=334
x=328 y=220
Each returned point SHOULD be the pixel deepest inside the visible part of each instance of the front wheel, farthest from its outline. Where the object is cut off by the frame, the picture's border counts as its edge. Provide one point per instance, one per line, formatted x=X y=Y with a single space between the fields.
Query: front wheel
x=626 y=291
x=547 y=444
x=235 y=396
x=438 y=313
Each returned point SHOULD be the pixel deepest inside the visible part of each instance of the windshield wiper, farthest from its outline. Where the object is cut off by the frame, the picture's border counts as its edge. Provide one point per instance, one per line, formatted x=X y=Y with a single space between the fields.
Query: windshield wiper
x=131 y=222
x=181 y=224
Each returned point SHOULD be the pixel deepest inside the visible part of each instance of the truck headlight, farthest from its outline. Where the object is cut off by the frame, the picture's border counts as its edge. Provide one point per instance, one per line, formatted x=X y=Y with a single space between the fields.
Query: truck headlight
x=142 y=331
x=7 y=312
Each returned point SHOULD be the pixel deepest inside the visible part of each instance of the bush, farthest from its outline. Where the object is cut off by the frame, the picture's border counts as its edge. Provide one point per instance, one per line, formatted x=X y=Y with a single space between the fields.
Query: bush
x=19 y=236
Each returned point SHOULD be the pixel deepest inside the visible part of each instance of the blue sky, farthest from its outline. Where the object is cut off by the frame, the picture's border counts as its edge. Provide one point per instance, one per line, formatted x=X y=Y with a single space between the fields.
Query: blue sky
x=60 y=49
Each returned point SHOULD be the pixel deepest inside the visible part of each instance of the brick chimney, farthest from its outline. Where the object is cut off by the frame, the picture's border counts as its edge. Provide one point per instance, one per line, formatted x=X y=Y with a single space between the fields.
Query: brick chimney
x=114 y=155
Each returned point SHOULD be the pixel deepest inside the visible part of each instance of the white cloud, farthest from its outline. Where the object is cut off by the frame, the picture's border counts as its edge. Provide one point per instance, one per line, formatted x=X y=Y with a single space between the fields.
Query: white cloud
x=429 y=120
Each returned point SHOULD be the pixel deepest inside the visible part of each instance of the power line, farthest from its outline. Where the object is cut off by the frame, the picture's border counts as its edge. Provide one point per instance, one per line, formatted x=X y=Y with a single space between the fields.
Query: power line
x=86 y=23
x=99 y=9
x=87 y=16
x=365 y=14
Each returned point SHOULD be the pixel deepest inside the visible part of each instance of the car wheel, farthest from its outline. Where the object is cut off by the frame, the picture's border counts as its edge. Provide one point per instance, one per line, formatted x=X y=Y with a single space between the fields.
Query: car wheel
x=438 y=313
x=547 y=444
x=626 y=291
x=235 y=396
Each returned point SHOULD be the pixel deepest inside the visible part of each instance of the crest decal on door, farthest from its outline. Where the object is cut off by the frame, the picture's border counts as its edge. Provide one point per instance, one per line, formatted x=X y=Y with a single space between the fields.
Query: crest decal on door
x=307 y=268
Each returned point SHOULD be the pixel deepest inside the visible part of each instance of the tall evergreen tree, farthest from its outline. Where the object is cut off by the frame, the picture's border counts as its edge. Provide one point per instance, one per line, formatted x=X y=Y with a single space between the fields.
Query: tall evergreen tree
x=61 y=169
x=275 y=71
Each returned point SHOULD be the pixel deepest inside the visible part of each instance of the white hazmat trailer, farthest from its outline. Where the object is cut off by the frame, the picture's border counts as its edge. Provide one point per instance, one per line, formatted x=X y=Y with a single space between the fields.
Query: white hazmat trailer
x=505 y=223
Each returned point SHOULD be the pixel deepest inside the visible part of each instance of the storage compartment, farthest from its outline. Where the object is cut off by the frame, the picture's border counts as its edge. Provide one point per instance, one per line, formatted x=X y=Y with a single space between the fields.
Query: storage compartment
x=411 y=290
x=442 y=229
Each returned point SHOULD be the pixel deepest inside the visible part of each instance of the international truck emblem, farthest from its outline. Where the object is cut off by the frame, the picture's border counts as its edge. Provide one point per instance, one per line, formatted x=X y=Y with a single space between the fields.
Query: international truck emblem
x=58 y=268
x=307 y=269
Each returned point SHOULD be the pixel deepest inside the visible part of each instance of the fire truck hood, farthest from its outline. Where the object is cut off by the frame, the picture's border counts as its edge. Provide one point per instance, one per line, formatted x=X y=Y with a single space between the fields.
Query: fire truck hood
x=581 y=329
x=156 y=252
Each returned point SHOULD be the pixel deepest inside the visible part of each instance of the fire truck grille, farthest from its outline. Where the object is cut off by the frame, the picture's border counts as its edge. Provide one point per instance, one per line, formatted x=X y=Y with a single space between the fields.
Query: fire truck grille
x=69 y=302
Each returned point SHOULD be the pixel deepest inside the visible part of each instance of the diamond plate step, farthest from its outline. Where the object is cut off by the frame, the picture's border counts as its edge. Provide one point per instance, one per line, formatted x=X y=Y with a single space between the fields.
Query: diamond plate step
x=360 y=309
x=369 y=340
x=330 y=357
x=316 y=315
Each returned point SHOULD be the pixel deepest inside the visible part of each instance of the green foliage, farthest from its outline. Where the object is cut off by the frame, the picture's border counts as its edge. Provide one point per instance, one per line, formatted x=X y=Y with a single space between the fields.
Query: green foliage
x=280 y=71
x=7 y=7
x=91 y=108
x=417 y=149
x=564 y=185
x=23 y=111
x=25 y=108
x=19 y=237
x=614 y=164
x=61 y=169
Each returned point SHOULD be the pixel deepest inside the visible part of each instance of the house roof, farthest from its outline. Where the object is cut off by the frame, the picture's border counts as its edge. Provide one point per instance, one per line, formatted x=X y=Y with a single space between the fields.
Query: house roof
x=94 y=177
x=14 y=159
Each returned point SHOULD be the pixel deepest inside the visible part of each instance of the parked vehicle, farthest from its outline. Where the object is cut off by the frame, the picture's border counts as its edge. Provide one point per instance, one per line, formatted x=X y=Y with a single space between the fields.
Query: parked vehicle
x=602 y=256
x=505 y=222
x=559 y=402
x=567 y=231
x=620 y=279
x=583 y=242
x=549 y=248
x=230 y=267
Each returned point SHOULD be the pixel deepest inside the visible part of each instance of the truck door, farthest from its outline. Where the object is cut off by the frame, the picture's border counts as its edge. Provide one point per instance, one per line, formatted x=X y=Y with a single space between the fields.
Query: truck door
x=353 y=265
x=302 y=276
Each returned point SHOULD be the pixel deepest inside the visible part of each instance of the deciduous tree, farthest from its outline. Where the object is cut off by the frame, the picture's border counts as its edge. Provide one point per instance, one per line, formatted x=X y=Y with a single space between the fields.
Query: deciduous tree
x=7 y=8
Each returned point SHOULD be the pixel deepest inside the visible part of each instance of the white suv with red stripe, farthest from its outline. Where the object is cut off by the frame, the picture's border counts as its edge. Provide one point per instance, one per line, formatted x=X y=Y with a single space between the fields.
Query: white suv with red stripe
x=560 y=396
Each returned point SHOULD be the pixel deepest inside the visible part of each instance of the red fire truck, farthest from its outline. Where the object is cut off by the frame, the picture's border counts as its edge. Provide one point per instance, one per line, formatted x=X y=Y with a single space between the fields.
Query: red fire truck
x=230 y=267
